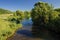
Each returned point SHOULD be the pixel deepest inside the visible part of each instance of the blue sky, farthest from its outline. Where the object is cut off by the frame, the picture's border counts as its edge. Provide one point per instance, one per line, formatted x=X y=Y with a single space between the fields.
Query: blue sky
x=24 y=4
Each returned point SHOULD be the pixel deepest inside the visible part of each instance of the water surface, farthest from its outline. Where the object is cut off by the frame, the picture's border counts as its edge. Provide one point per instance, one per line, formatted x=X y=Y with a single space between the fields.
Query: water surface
x=26 y=30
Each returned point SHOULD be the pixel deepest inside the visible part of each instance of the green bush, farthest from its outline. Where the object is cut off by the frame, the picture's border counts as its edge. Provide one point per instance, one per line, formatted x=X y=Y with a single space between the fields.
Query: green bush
x=7 y=29
x=27 y=14
x=9 y=25
x=44 y=18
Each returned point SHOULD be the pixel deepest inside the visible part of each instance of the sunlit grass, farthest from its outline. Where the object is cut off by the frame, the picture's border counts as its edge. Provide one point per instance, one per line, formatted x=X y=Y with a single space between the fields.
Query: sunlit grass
x=7 y=28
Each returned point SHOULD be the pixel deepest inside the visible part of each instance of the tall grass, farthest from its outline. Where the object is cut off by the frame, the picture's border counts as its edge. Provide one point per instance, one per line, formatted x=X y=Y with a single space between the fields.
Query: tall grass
x=7 y=28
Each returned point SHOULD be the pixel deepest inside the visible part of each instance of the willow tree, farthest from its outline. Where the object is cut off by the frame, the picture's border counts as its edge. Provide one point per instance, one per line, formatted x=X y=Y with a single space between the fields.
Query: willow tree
x=43 y=15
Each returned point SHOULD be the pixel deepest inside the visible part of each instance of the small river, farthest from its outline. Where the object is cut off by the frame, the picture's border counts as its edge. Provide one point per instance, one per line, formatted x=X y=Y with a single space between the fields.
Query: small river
x=26 y=30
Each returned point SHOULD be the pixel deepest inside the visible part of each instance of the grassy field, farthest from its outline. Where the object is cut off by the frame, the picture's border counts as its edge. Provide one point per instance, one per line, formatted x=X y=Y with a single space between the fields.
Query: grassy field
x=7 y=28
x=5 y=16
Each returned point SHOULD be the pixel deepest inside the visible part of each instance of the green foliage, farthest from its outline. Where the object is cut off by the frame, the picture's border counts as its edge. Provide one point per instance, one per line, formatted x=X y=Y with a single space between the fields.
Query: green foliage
x=57 y=9
x=41 y=12
x=7 y=29
x=20 y=14
x=27 y=15
x=9 y=25
x=17 y=17
x=44 y=17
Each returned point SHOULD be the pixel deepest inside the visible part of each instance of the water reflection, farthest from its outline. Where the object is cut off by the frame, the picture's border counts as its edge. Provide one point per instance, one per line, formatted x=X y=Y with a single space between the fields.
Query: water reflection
x=26 y=30
x=25 y=33
x=27 y=24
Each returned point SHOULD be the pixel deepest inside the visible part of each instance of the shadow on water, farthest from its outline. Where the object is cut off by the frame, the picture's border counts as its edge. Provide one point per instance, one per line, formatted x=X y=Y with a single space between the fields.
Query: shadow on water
x=26 y=30
x=25 y=33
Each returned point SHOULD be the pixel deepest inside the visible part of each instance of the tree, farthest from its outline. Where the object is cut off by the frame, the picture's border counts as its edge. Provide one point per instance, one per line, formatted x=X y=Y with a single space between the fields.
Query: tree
x=43 y=16
x=41 y=12
x=20 y=13
x=57 y=9
x=17 y=17
x=27 y=14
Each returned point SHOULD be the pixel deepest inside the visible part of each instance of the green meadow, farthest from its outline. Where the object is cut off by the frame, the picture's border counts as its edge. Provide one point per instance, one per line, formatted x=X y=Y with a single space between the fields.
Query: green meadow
x=7 y=27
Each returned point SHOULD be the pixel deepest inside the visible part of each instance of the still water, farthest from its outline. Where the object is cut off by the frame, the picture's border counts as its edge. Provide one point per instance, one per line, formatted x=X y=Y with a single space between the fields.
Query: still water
x=26 y=30
x=27 y=24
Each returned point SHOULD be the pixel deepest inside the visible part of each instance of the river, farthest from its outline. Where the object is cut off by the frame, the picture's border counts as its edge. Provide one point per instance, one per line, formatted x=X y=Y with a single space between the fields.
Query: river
x=25 y=32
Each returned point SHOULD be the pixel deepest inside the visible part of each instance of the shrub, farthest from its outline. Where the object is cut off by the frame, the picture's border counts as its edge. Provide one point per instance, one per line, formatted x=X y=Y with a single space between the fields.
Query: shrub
x=7 y=29
x=44 y=18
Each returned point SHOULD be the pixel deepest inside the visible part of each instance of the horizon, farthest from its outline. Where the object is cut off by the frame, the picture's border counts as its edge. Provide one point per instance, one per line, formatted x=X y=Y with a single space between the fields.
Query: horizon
x=24 y=5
